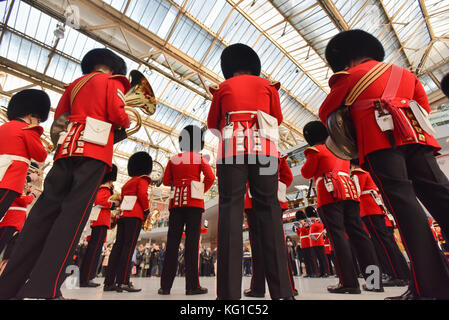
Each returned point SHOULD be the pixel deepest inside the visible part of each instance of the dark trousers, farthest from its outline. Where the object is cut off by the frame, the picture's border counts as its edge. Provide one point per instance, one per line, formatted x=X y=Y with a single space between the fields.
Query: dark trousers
x=263 y=181
x=120 y=260
x=258 y=271
x=190 y=217
x=344 y=217
x=390 y=257
x=310 y=260
x=6 y=235
x=89 y=266
x=7 y=197
x=322 y=261
x=48 y=240
x=404 y=174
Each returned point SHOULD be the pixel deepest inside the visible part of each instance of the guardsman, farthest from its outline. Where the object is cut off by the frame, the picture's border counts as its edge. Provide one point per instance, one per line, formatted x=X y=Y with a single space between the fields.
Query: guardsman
x=396 y=145
x=100 y=218
x=317 y=241
x=338 y=207
x=303 y=233
x=257 y=288
x=329 y=254
x=183 y=175
x=373 y=215
x=135 y=208
x=20 y=142
x=15 y=217
x=245 y=114
x=94 y=104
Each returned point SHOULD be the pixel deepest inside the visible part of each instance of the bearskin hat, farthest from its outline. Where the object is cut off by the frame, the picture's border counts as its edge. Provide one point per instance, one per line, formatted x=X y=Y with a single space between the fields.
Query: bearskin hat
x=300 y=215
x=311 y=212
x=445 y=85
x=239 y=57
x=110 y=176
x=315 y=132
x=351 y=45
x=103 y=56
x=29 y=101
x=139 y=164
x=191 y=139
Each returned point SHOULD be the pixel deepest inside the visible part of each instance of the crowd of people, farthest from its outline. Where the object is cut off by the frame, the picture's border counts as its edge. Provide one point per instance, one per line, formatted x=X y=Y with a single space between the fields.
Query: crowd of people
x=377 y=161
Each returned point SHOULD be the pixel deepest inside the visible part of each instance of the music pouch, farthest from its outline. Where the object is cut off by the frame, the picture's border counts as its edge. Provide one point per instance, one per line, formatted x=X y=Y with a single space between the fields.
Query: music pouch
x=97 y=131
x=197 y=190
x=128 y=203
x=94 y=213
x=421 y=116
x=282 y=192
x=268 y=126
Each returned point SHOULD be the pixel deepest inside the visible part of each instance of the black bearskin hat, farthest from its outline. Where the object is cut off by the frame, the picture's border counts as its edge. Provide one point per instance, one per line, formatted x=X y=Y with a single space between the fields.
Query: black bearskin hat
x=300 y=215
x=139 y=164
x=103 y=56
x=110 y=176
x=191 y=139
x=315 y=132
x=351 y=45
x=445 y=85
x=239 y=57
x=29 y=101
x=311 y=212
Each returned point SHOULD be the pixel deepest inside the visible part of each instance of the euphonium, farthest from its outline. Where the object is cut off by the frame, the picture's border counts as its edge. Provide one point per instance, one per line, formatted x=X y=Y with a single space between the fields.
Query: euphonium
x=141 y=96
x=151 y=220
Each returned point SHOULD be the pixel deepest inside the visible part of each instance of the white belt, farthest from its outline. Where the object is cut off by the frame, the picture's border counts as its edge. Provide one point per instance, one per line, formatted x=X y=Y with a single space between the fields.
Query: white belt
x=340 y=174
x=318 y=233
x=242 y=111
x=17 y=209
x=302 y=237
x=6 y=161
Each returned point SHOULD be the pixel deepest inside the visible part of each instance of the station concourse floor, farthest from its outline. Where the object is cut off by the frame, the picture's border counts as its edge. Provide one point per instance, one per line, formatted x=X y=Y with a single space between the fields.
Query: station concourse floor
x=309 y=289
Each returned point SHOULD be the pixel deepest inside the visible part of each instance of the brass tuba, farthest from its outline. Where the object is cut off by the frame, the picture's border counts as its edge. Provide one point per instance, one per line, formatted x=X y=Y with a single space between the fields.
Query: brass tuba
x=151 y=220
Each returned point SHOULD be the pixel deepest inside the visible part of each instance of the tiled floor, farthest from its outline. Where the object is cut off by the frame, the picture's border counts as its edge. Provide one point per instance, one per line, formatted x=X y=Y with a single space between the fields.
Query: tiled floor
x=309 y=289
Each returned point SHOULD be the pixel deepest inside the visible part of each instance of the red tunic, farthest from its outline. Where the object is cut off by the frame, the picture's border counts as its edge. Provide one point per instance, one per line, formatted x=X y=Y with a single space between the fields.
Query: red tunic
x=137 y=186
x=319 y=161
x=102 y=199
x=285 y=176
x=181 y=170
x=369 y=136
x=304 y=237
x=315 y=230
x=17 y=213
x=368 y=205
x=101 y=98
x=18 y=138
x=327 y=246
x=244 y=93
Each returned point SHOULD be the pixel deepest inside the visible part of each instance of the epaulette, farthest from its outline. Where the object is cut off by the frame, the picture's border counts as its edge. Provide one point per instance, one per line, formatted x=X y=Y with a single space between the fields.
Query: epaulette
x=359 y=170
x=36 y=127
x=275 y=84
x=311 y=149
x=124 y=80
x=214 y=88
x=336 y=76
